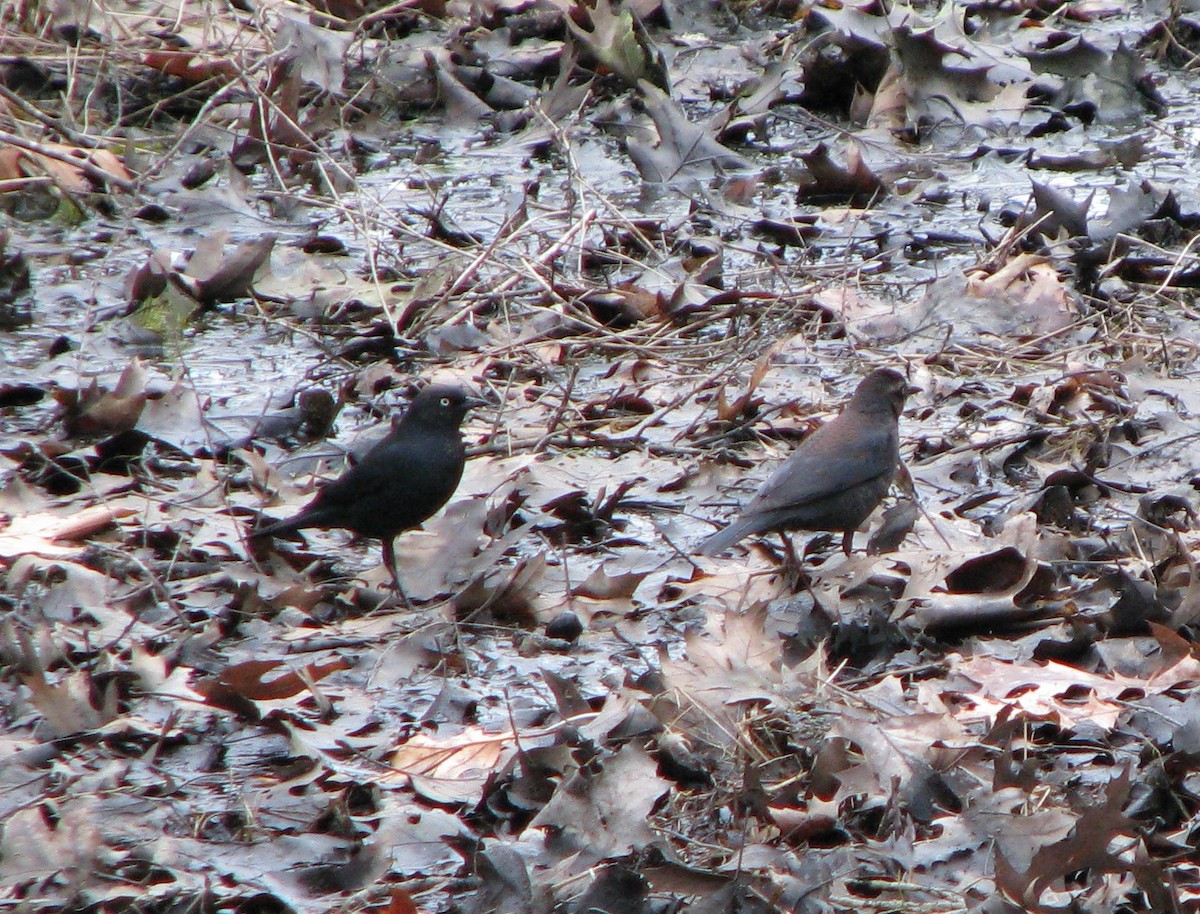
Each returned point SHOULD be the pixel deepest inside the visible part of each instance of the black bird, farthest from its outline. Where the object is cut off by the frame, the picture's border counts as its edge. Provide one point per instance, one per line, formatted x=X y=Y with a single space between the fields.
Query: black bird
x=400 y=482
x=836 y=476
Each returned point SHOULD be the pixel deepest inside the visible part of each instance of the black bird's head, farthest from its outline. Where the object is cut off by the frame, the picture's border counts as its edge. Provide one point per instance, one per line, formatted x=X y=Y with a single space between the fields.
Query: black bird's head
x=882 y=391
x=441 y=405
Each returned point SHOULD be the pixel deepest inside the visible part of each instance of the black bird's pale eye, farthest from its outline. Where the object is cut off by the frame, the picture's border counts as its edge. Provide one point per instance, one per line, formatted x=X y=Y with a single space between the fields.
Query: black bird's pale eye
x=445 y=401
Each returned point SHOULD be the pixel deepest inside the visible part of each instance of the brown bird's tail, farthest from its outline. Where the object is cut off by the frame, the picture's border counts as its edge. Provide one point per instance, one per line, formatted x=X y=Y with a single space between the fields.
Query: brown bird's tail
x=723 y=539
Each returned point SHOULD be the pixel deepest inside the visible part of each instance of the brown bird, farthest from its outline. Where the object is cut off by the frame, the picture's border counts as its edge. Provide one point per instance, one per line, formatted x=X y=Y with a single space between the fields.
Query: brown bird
x=836 y=476
x=400 y=482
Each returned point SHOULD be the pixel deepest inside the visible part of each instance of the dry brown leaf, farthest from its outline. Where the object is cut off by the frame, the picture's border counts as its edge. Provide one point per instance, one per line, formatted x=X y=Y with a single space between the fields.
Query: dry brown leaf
x=43 y=533
x=20 y=163
x=1056 y=691
x=455 y=768
x=249 y=680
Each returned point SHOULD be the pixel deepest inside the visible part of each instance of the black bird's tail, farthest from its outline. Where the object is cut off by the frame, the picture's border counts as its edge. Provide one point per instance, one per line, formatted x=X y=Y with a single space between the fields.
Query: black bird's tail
x=279 y=528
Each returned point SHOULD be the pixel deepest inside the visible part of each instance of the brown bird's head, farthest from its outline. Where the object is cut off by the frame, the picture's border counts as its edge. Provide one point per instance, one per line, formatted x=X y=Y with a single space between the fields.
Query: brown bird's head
x=882 y=391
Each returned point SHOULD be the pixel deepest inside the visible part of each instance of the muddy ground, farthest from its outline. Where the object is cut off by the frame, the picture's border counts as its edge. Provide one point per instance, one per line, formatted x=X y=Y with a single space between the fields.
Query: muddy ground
x=664 y=242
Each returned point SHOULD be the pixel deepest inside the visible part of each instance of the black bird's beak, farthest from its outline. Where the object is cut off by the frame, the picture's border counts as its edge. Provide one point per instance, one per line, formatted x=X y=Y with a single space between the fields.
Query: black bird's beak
x=475 y=402
x=912 y=389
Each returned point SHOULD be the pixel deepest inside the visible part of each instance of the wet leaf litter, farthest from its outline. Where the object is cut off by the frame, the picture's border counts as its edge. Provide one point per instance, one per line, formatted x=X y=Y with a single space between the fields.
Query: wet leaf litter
x=667 y=245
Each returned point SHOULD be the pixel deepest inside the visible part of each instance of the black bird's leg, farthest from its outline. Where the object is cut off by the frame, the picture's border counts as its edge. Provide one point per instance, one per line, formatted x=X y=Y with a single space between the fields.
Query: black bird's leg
x=389 y=562
x=847 y=541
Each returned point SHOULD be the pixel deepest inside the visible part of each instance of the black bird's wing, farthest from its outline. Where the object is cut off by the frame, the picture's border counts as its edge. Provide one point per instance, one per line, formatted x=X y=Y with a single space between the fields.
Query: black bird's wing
x=401 y=482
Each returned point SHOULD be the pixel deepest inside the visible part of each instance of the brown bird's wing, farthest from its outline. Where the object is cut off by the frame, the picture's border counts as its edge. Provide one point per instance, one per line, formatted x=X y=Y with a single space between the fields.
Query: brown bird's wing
x=836 y=457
